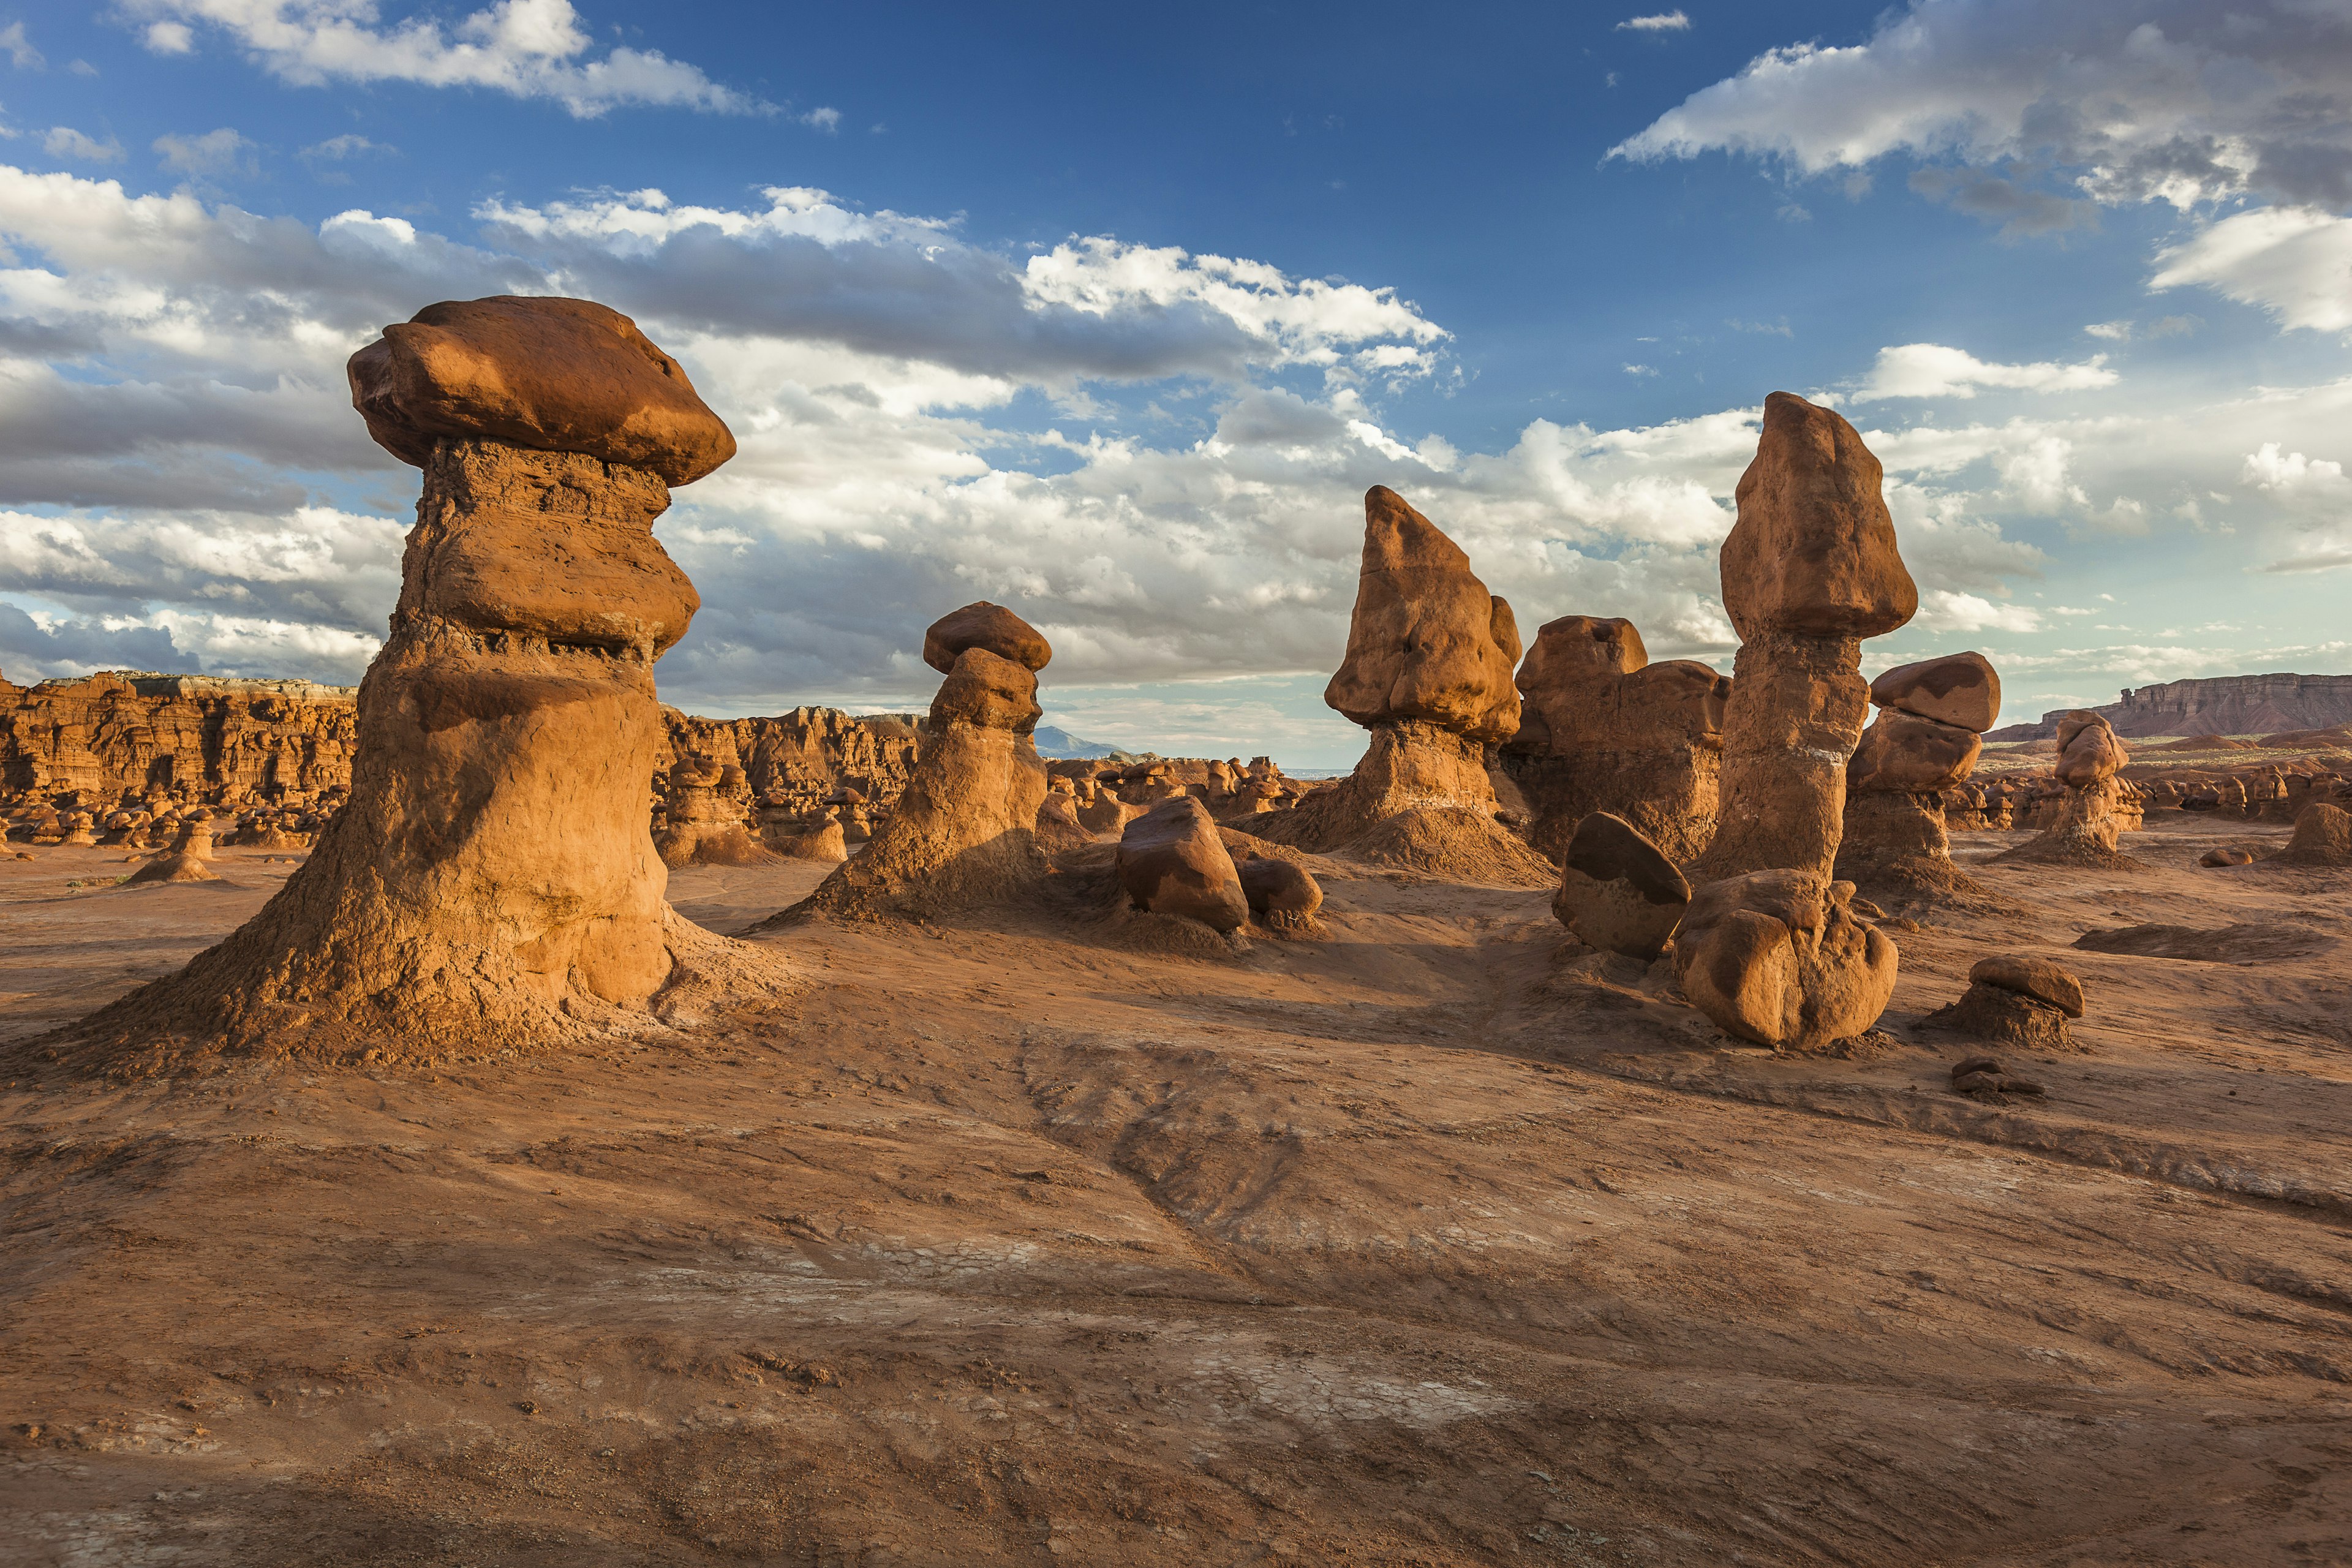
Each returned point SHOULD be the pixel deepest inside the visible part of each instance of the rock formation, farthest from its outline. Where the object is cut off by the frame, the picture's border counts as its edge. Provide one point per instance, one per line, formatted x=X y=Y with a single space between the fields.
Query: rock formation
x=126 y=735
x=183 y=862
x=1428 y=672
x=1602 y=729
x=2323 y=836
x=1779 y=957
x=1923 y=741
x=2215 y=705
x=1171 y=861
x=2015 y=1001
x=1809 y=570
x=705 y=817
x=2090 y=815
x=491 y=883
x=1618 y=891
x=964 y=830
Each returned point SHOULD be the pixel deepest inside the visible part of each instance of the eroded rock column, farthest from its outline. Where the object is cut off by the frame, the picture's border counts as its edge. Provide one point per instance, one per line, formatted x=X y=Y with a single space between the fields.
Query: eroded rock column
x=1924 y=742
x=491 y=882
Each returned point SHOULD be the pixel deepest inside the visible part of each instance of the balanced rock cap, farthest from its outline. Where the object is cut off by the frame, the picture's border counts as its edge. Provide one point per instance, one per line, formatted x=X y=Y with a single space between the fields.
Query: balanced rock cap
x=1960 y=689
x=1902 y=752
x=552 y=374
x=983 y=624
x=1574 y=649
x=1813 y=551
x=1426 y=640
x=2088 y=749
x=2036 y=977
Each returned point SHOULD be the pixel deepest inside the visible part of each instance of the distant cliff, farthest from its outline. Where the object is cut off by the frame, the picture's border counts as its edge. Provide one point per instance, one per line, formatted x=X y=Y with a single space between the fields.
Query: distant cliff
x=2218 y=705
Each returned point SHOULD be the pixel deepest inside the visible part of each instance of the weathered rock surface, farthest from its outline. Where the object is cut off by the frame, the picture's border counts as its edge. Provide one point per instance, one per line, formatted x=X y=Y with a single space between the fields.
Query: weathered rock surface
x=491 y=884
x=1809 y=568
x=1601 y=728
x=2001 y=1015
x=1171 y=861
x=549 y=375
x=2038 y=978
x=1780 y=957
x=130 y=734
x=1617 y=891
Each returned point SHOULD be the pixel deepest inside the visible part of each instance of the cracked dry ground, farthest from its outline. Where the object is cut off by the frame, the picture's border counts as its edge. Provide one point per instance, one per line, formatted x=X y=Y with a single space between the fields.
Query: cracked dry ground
x=1005 y=1242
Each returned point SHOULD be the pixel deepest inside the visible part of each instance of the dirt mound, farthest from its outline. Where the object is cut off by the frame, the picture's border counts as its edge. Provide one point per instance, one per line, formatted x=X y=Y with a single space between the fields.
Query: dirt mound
x=2227 y=944
x=1453 y=843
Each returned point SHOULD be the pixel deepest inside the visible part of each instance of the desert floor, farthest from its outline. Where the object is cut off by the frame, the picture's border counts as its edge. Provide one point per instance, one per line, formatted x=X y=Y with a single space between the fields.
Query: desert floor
x=1436 y=1241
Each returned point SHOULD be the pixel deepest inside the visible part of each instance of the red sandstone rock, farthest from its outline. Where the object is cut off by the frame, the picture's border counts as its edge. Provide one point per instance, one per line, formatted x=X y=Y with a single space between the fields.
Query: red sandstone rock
x=1426 y=641
x=1172 y=862
x=1960 y=689
x=983 y=624
x=1780 y=957
x=549 y=375
x=1814 y=551
x=1617 y=892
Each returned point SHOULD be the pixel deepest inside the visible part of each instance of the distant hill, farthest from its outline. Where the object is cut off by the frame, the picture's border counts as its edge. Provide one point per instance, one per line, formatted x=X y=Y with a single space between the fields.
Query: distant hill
x=1061 y=746
x=2215 y=705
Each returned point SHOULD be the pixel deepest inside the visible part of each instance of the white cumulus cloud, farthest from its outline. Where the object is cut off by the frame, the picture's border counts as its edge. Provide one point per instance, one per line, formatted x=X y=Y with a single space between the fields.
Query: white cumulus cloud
x=1933 y=369
x=2293 y=262
x=1658 y=22
x=528 y=48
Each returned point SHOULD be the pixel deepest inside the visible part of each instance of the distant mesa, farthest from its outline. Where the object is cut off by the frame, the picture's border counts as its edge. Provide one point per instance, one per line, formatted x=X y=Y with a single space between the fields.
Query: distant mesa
x=2213 y=705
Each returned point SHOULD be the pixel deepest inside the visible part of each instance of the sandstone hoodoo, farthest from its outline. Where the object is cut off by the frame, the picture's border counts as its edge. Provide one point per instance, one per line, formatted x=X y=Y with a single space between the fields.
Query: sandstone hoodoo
x=1171 y=861
x=1923 y=741
x=1602 y=729
x=1780 y=957
x=1428 y=672
x=1809 y=570
x=1617 y=891
x=2090 y=815
x=964 y=831
x=184 y=861
x=2014 y=1000
x=491 y=883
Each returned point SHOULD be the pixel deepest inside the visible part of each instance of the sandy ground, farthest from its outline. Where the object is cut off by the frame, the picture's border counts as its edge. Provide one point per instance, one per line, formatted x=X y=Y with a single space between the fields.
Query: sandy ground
x=1436 y=1241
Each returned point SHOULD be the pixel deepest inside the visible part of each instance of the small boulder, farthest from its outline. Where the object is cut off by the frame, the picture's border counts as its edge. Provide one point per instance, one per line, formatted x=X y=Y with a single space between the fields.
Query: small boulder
x=1960 y=689
x=1617 y=891
x=1984 y=1078
x=1172 y=862
x=1997 y=1015
x=1282 y=896
x=2225 y=853
x=2035 y=977
x=983 y=624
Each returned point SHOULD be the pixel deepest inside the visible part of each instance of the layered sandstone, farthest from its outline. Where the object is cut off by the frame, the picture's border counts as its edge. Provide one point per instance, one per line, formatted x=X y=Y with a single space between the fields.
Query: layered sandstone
x=2096 y=804
x=2214 y=705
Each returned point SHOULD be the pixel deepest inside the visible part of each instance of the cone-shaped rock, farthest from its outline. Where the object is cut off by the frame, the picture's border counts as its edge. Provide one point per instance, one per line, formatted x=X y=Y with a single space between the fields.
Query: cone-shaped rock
x=1426 y=640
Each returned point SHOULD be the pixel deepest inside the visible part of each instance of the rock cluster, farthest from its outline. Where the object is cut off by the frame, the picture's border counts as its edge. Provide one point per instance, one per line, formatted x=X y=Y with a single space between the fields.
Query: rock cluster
x=1809 y=570
x=1923 y=743
x=1602 y=729
x=491 y=882
x=1983 y=1078
x=2014 y=1000
x=702 y=821
x=964 y=831
x=1428 y=671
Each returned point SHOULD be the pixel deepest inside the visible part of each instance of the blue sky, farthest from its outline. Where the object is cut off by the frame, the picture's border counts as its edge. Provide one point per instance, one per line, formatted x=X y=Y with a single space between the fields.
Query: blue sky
x=1113 y=320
